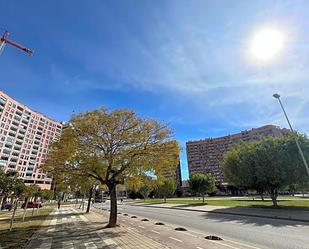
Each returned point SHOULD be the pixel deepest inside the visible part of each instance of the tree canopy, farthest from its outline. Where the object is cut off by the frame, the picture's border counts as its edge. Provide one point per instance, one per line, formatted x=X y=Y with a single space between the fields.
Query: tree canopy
x=167 y=189
x=269 y=164
x=202 y=184
x=113 y=148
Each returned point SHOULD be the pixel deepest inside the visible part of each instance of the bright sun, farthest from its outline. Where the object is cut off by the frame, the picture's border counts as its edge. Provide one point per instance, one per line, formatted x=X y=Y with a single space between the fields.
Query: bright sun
x=266 y=44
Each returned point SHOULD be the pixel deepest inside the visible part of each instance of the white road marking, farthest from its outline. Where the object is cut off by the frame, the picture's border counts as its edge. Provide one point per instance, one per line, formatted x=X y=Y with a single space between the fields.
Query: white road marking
x=124 y=220
x=130 y=223
x=141 y=226
x=51 y=230
x=90 y=245
x=176 y=239
x=154 y=231
x=109 y=242
x=199 y=247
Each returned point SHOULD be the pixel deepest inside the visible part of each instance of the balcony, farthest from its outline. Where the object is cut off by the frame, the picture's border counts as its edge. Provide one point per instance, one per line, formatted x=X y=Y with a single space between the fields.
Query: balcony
x=18 y=118
x=22 y=131
x=18 y=112
x=34 y=152
x=17 y=147
x=12 y=133
x=2 y=100
x=15 y=153
x=14 y=128
x=12 y=165
x=24 y=121
x=21 y=137
x=8 y=145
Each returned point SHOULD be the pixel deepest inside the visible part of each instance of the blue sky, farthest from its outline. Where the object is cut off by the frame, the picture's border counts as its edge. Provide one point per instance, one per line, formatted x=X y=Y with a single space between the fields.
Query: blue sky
x=186 y=63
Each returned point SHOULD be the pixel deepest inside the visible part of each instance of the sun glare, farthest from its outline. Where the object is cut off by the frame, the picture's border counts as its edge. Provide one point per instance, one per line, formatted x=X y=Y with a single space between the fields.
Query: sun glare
x=266 y=44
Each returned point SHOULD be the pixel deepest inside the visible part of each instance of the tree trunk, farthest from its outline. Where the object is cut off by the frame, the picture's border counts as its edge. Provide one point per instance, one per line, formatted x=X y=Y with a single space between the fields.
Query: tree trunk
x=25 y=209
x=80 y=206
x=89 y=199
x=113 y=206
x=273 y=196
x=13 y=215
x=1 y=201
x=164 y=198
x=83 y=204
x=32 y=211
x=262 y=196
x=203 y=198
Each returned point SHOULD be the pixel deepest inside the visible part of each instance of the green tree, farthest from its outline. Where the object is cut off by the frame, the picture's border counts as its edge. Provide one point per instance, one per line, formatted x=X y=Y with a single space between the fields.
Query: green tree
x=202 y=184
x=17 y=188
x=113 y=147
x=167 y=189
x=3 y=186
x=30 y=191
x=47 y=194
x=270 y=164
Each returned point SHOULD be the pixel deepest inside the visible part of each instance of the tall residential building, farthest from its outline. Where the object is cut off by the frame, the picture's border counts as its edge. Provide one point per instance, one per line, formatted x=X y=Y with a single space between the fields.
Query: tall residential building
x=205 y=156
x=25 y=136
x=176 y=175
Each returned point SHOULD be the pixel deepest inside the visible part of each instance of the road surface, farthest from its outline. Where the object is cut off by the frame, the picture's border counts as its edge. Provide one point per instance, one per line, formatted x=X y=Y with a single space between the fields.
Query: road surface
x=256 y=232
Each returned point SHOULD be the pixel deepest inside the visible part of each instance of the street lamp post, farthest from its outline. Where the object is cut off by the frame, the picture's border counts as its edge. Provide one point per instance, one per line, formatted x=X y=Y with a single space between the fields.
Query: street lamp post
x=277 y=96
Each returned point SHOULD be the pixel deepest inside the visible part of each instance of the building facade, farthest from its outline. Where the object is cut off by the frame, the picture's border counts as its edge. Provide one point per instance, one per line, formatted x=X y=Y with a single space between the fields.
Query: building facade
x=176 y=175
x=25 y=136
x=205 y=156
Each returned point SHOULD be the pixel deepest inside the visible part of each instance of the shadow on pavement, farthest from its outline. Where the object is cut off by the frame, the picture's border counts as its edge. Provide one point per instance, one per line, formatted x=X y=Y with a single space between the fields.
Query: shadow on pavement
x=237 y=214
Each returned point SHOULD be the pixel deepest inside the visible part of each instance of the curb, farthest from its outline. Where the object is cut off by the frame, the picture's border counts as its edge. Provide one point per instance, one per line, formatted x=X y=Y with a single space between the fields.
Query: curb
x=222 y=212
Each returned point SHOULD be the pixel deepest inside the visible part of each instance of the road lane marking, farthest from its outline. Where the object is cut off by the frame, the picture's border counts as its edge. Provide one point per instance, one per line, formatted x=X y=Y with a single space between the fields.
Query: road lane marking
x=130 y=223
x=176 y=239
x=141 y=226
x=199 y=247
x=154 y=231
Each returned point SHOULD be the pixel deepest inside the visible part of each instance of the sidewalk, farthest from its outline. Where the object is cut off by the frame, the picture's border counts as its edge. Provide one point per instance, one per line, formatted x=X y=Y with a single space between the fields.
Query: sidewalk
x=68 y=228
x=284 y=214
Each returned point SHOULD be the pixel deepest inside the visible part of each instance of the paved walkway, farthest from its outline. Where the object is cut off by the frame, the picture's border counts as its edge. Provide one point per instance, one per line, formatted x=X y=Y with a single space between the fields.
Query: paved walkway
x=65 y=228
x=69 y=229
x=286 y=214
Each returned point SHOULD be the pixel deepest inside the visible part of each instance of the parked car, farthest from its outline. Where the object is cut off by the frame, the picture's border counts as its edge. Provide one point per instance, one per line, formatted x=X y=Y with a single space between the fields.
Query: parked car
x=7 y=206
x=32 y=205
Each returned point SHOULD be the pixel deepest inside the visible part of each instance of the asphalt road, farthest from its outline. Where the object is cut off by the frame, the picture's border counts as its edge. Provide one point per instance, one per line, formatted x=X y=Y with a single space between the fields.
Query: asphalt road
x=256 y=232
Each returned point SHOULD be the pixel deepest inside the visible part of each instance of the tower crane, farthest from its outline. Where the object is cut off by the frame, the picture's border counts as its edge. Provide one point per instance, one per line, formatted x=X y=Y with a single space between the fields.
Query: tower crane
x=4 y=40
